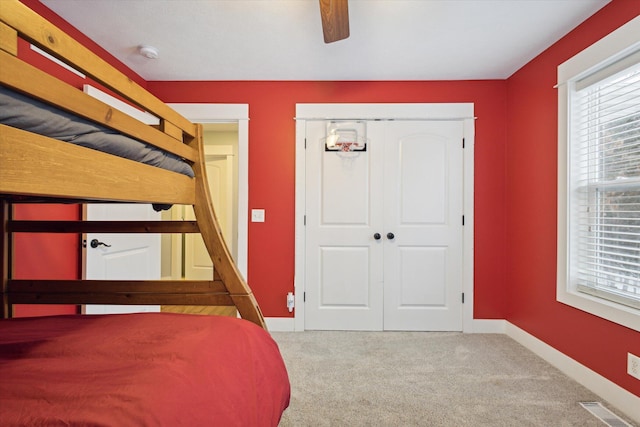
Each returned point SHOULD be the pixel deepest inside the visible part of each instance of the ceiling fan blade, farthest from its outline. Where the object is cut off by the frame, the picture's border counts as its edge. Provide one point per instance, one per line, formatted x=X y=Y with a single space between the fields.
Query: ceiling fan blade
x=335 y=19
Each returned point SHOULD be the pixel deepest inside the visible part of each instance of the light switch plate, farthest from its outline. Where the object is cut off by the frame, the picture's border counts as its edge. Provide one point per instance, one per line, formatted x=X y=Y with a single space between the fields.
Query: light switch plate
x=633 y=365
x=257 y=215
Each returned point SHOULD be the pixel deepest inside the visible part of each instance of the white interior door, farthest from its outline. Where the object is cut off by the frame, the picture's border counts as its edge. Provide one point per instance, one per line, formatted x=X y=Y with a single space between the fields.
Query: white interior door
x=121 y=256
x=344 y=211
x=408 y=183
x=423 y=211
x=198 y=265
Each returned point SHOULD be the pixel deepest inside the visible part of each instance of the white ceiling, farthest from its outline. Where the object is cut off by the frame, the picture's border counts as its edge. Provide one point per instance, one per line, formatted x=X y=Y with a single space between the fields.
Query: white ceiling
x=282 y=39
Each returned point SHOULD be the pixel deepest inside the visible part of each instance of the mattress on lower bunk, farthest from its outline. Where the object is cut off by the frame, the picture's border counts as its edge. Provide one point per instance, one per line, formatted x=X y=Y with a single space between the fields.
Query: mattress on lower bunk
x=23 y=112
x=140 y=369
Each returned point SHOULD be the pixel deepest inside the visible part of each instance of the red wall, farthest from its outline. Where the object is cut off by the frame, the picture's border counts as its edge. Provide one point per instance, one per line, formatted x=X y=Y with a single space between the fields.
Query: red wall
x=272 y=166
x=531 y=211
x=46 y=256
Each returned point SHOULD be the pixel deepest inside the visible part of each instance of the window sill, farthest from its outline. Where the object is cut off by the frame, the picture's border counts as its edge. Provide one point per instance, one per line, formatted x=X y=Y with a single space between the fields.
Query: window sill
x=617 y=313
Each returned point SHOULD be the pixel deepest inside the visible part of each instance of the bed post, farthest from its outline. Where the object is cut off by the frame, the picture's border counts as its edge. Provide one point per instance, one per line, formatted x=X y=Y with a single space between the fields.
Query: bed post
x=5 y=210
x=211 y=232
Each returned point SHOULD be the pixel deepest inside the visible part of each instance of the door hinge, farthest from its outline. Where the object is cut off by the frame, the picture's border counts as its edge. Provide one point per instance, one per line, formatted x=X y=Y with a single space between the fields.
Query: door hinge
x=305 y=143
x=304 y=297
x=463 y=297
x=462 y=219
x=462 y=142
x=304 y=220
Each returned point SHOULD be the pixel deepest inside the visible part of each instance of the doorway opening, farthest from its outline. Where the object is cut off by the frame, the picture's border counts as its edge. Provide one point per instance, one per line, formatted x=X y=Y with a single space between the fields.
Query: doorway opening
x=185 y=256
x=225 y=129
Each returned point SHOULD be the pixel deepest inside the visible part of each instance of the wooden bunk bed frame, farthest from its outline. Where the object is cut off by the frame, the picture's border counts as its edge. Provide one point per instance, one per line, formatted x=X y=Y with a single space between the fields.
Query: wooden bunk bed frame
x=35 y=168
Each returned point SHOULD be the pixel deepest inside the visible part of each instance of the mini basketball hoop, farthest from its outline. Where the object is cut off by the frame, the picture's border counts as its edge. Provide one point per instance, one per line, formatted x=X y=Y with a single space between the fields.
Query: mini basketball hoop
x=346 y=139
x=345 y=146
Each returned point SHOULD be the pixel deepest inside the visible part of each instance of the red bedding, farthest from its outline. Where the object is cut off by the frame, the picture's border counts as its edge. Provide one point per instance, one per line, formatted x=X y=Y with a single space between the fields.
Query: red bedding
x=140 y=369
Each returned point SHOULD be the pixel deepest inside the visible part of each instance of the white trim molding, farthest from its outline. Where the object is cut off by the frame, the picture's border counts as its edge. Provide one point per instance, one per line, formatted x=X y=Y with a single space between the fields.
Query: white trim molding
x=280 y=324
x=486 y=326
x=611 y=49
x=624 y=401
x=430 y=111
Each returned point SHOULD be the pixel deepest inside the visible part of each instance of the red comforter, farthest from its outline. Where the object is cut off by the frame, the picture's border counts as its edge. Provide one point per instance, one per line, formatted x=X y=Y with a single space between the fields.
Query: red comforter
x=140 y=369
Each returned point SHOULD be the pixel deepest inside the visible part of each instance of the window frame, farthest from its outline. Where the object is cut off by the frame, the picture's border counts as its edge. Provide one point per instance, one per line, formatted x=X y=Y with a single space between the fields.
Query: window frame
x=606 y=51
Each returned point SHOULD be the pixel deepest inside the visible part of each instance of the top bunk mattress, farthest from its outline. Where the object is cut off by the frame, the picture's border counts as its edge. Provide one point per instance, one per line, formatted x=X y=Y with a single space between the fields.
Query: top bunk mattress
x=26 y=113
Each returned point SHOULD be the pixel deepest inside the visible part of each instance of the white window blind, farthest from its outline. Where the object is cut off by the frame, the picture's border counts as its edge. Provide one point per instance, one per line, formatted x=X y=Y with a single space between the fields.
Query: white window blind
x=604 y=249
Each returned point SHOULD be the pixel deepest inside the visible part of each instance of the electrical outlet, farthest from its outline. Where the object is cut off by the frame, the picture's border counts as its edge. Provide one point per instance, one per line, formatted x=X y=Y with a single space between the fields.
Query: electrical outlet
x=633 y=365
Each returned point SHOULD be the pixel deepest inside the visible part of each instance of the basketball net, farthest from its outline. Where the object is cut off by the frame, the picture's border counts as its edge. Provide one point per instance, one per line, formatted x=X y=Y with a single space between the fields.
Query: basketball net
x=345 y=146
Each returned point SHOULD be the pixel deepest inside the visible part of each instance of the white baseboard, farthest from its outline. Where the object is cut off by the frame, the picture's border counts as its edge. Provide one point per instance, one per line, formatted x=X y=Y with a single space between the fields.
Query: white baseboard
x=478 y=326
x=624 y=401
x=280 y=324
x=485 y=326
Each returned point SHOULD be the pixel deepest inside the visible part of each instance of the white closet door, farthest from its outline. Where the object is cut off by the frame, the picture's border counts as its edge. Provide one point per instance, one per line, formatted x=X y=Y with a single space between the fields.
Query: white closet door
x=423 y=210
x=343 y=212
x=384 y=229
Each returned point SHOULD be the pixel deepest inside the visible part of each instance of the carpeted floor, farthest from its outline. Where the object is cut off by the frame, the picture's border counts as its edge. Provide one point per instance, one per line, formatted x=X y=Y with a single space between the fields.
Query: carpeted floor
x=425 y=379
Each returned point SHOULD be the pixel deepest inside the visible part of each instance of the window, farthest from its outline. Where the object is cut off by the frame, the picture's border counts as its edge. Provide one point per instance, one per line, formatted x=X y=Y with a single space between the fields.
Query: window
x=605 y=186
x=599 y=178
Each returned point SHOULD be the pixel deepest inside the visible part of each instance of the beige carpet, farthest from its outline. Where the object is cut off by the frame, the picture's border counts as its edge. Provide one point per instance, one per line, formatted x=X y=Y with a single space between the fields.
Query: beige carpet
x=425 y=379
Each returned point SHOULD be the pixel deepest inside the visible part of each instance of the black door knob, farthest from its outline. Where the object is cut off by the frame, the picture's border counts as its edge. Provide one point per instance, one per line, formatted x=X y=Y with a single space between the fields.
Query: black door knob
x=377 y=236
x=390 y=236
x=95 y=243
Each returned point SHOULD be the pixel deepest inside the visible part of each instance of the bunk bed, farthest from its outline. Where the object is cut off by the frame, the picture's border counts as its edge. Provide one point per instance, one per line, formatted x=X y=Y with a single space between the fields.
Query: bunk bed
x=57 y=146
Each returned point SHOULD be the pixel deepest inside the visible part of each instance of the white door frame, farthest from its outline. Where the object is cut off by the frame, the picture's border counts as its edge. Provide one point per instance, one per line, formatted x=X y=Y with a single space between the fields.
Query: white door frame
x=444 y=111
x=230 y=113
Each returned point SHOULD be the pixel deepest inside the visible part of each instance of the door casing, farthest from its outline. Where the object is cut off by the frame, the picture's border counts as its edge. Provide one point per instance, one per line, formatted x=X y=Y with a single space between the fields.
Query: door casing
x=431 y=111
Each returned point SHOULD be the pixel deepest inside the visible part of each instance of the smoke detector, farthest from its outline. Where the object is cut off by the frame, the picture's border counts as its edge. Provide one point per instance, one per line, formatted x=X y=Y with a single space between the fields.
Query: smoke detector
x=148 y=52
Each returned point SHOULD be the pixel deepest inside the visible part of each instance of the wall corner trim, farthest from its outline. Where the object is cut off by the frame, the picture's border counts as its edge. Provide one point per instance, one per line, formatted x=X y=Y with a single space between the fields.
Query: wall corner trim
x=621 y=399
